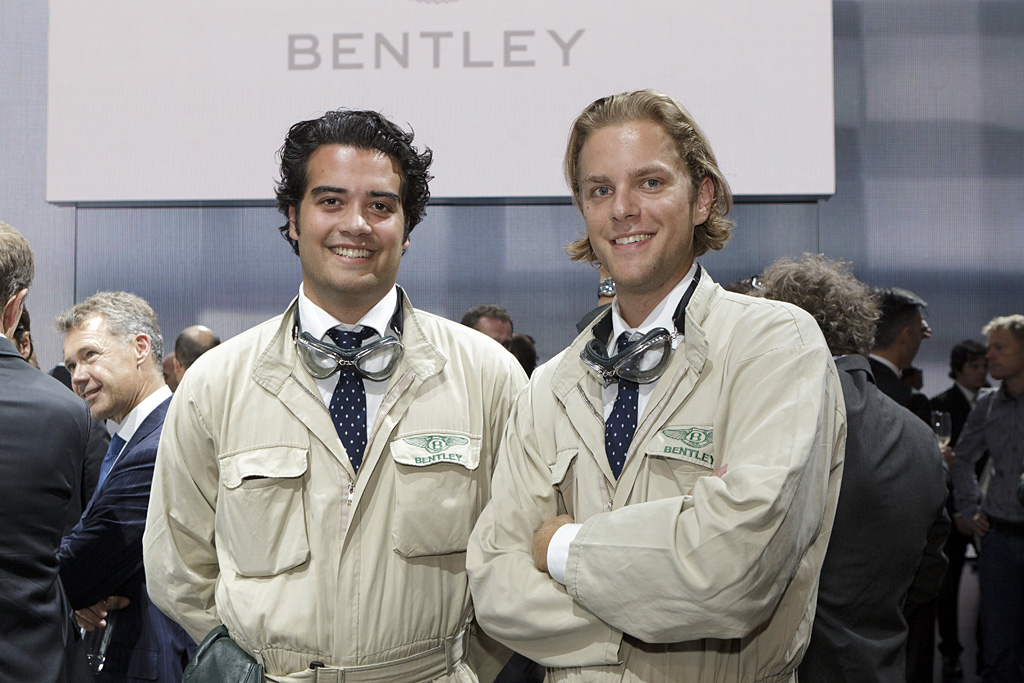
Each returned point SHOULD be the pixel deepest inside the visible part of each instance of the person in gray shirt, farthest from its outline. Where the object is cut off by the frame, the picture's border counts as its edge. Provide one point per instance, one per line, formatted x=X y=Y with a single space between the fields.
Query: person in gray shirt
x=996 y=425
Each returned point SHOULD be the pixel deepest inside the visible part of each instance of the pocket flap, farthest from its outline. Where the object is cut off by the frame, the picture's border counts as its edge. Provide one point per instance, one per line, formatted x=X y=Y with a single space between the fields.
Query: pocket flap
x=563 y=461
x=423 y=450
x=692 y=444
x=265 y=462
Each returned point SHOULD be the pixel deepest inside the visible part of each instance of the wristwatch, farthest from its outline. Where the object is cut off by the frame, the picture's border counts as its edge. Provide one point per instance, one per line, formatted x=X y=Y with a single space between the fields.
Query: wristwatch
x=606 y=288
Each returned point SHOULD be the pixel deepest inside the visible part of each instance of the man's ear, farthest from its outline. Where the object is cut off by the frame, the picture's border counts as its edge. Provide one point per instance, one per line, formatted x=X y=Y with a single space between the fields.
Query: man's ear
x=142 y=347
x=179 y=369
x=11 y=313
x=705 y=195
x=293 y=227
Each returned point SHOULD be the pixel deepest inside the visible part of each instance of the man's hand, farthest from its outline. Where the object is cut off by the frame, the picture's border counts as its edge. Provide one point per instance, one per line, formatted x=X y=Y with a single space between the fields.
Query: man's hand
x=947 y=455
x=962 y=525
x=92 y=618
x=979 y=524
x=719 y=472
x=542 y=539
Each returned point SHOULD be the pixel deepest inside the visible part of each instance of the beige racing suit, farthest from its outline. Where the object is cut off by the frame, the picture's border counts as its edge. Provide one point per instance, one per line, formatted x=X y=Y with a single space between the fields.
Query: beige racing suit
x=675 y=575
x=257 y=519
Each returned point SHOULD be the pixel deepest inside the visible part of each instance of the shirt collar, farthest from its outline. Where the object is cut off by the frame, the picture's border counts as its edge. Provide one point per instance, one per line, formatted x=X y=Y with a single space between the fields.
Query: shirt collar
x=663 y=314
x=968 y=394
x=126 y=430
x=889 y=364
x=317 y=321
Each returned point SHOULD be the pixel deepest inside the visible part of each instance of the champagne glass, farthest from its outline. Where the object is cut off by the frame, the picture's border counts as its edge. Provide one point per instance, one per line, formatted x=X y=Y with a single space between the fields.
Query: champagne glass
x=942 y=425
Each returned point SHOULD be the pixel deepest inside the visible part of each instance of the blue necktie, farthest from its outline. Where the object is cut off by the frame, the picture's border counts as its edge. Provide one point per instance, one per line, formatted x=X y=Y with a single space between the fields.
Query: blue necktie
x=348 y=404
x=621 y=424
x=116 y=444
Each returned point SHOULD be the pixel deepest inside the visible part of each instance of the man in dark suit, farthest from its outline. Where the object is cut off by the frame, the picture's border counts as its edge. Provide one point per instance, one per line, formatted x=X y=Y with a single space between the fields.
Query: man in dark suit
x=899 y=332
x=113 y=349
x=890 y=522
x=43 y=438
x=969 y=371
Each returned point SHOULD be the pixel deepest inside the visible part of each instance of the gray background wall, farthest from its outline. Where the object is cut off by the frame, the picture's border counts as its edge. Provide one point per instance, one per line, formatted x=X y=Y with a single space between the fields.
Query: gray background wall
x=930 y=164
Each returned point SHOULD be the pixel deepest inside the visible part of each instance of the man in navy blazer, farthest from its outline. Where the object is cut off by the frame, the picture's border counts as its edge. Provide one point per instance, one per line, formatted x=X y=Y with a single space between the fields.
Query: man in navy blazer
x=44 y=431
x=113 y=349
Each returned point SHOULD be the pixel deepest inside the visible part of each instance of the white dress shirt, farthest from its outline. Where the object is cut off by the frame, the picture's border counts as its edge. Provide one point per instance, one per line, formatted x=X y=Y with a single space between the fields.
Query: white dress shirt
x=316 y=321
x=130 y=424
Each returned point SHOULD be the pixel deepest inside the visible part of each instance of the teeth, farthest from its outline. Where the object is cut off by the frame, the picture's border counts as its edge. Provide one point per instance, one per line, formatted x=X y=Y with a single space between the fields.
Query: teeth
x=351 y=253
x=633 y=238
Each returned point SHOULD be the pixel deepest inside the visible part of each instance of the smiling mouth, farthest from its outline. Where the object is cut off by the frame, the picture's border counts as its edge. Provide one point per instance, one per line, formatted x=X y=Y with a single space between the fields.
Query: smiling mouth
x=349 y=252
x=89 y=395
x=634 y=238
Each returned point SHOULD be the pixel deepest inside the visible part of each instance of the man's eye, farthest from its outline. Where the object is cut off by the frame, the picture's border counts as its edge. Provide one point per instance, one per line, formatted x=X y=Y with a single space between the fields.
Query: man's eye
x=382 y=207
x=329 y=201
x=652 y=183
x=602 y=191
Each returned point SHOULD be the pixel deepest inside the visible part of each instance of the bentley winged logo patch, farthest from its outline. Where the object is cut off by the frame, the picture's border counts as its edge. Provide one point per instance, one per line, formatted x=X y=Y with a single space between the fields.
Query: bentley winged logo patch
x=435 y=443
x=694 y=437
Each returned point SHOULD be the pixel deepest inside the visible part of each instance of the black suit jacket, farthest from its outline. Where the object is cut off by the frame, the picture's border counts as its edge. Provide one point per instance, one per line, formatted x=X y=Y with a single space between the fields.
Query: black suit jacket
x=954 y=402
x=44 y=432
x=890 y=385
x=103 y=556
x=886 y=544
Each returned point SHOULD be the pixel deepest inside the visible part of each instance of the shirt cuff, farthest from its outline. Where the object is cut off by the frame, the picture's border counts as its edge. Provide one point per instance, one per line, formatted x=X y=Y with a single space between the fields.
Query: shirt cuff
x=558 y=550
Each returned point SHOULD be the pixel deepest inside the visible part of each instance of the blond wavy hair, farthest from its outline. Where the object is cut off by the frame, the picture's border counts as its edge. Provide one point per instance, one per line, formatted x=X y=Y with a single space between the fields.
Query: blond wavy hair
x=843 y=306
x=691 y=144
x=1014 y=324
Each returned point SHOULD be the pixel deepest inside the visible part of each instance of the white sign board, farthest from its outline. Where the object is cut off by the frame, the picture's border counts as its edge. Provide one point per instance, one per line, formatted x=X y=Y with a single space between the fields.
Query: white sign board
x=189 y=100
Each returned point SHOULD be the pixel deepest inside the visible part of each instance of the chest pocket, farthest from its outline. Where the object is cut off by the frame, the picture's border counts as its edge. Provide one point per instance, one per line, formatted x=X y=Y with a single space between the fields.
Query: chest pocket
x=563 y=480
x=677 y=457
x=437 y=493
x=261 y=516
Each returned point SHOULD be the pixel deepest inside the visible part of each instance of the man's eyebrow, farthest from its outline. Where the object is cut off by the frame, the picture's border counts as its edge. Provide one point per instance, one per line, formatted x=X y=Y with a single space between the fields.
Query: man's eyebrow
x=653 y=169
x=325 y=189
x=385 y=195
x=595 y=179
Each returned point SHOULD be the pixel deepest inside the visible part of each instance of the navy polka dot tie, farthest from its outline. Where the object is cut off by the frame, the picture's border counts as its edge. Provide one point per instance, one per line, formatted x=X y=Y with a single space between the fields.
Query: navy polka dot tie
x=621 y=424
x=348 y=404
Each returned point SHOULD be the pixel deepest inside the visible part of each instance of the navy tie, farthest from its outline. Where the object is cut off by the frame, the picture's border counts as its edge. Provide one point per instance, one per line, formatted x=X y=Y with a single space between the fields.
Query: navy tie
x=621 y=424
x=348 y=404
x=116 y=444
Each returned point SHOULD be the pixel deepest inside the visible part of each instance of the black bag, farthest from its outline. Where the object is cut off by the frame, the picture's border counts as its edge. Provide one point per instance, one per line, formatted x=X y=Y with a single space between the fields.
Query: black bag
x=220 y=660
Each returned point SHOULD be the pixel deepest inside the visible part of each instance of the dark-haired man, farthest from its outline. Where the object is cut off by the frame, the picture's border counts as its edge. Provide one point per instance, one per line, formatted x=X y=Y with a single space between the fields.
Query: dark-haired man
x=320 y=473
x=44 y=432
x=969 y=371
x=491 y=319
x=674 y=574
x=898 y=335
x=901 y=329
x=194 y=341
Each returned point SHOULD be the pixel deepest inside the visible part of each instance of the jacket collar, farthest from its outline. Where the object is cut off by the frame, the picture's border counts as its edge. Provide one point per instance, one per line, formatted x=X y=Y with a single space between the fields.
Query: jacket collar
x=279 y=371
x=571 y=371
x=579 y=390
x=7 y=348
x=279 y=360
x=854 y=362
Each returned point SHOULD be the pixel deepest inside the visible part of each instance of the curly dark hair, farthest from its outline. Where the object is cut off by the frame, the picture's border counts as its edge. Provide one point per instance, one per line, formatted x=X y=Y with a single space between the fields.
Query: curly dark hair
x=367 y=130
x=843 y=306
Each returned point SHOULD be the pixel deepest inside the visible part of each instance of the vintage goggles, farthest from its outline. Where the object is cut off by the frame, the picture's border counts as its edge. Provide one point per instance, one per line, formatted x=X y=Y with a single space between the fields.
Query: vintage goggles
x=376 y=361
x=643 y=362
